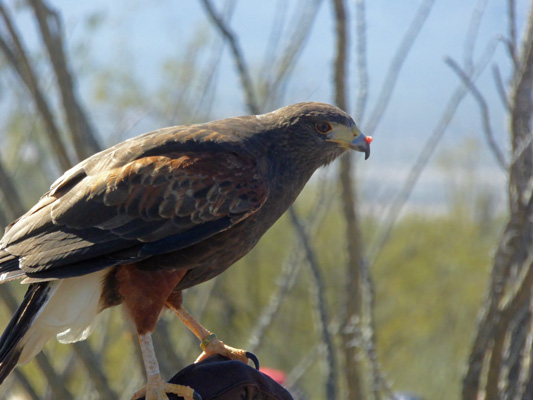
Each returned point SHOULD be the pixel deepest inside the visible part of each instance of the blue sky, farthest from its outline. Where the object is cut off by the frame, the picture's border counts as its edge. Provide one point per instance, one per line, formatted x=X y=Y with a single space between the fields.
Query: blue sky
x=138 y=35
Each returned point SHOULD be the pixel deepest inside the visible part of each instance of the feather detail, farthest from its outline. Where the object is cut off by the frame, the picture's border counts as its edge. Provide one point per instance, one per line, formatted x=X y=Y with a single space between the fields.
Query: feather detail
x=12 y=340
x=71 y=311
x=64 y=308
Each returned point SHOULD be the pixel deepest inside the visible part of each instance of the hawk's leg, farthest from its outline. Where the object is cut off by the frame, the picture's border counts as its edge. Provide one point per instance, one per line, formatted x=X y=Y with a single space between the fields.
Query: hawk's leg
x=208 y=340
x=144 y=293
x=156 y=388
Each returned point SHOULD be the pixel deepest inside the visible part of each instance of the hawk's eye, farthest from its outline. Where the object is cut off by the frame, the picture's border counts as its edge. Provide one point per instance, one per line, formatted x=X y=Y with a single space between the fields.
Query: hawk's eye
x=323 y=127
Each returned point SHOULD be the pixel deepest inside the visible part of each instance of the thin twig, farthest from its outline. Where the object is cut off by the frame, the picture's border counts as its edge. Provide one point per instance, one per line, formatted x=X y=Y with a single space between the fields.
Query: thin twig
x=425 y=154
x=488 y=320
x=81 y=131
x=277 y=31
x=362 y=62
x=21 y=65
x=11 y=196
x=341 y=54
x=354 y=265
x=484 y=109
x=510 y=253
x=93 y=366
x=303 y=366
x=331 y=390
x=396 y=65
x=25 y=383
x=244 y=75
x=500 y=87
x=3 y=219
x=210 y=74
x=57 y=385
x=290 y=270
x=471 y=35
x=285 y=64
x=512 y=42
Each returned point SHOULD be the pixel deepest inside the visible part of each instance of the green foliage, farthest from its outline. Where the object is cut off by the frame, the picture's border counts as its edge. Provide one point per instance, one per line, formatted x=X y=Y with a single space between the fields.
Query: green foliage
x=429 y=283
x=429 y=279
x=429 y=286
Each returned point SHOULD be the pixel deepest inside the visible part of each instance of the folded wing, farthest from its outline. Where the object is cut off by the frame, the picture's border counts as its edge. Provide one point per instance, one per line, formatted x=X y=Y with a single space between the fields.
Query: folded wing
x=151 y=205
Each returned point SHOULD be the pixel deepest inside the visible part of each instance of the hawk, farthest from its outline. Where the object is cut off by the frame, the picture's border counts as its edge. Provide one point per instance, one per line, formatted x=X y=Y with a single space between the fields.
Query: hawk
x=138 y=223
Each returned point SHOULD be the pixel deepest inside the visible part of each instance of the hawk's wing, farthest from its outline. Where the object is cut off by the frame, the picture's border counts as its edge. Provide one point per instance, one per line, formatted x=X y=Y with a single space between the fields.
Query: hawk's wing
x=151 y=205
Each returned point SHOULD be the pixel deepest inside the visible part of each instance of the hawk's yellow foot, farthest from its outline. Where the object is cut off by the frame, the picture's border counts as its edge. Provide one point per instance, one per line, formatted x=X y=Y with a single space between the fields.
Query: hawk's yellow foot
x=208 y=340
x=157 y=389
x=211 y=346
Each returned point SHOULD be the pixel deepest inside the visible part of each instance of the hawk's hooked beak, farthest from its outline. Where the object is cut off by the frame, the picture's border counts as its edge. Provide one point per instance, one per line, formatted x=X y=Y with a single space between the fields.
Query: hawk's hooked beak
x=352 y=139
x=362 y=143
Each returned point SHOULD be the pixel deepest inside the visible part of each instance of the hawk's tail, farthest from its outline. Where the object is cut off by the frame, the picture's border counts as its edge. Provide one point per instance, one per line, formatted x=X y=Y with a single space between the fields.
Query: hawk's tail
x=11 y=341
x=65 y=308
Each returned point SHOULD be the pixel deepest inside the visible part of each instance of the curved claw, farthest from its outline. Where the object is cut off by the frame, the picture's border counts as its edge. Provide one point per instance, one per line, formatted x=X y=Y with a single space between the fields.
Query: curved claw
x=253 y=357
x=196 y=395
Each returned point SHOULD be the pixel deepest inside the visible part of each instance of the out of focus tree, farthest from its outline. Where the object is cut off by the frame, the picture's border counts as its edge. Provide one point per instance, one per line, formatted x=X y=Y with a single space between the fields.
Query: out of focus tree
x=307 y=287
x=499 y=366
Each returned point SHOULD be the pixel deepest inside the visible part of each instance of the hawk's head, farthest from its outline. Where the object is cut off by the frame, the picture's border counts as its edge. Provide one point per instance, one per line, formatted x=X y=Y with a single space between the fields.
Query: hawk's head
x=316 y=130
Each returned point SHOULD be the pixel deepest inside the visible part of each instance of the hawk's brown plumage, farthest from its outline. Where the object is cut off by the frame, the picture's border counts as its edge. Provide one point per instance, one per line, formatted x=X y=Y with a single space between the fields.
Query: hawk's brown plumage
x=159 y=213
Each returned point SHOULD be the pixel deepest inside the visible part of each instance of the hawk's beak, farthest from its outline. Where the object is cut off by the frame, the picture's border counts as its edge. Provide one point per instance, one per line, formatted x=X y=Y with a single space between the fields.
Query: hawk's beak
x=362 y=143
x=352 y=139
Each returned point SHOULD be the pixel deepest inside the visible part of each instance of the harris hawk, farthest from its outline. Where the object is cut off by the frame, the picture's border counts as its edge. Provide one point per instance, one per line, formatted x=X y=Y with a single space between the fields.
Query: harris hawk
x=138 y=223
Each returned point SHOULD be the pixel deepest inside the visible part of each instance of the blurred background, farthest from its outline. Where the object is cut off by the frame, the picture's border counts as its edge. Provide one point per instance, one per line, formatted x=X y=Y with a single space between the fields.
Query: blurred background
x=407 y=273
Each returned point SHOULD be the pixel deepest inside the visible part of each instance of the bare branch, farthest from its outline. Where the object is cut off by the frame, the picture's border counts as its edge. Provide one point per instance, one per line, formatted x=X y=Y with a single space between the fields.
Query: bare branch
x=500 y=87
x=521 y=290
x=3 y=220
x=331 y=390
x=205 y=102
x=425 y=154
x=361 y=56
x=25 y=383
x=290 y=270
x=513 y=251
x=471 y=36
x=508 y=309
x=489 y=319
x=10 y=194
x=52 y=377
x=484 y=108
x=244 y=75
x=396 y=65
x=512 y=42
x=93 y=366
x=272 y=51
x=354 y=265
x=285 y=64
x=82 y=133
x=305 y=363
x=341 y=54
x=526 y=366
x=521 y=117
x=21 y=65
